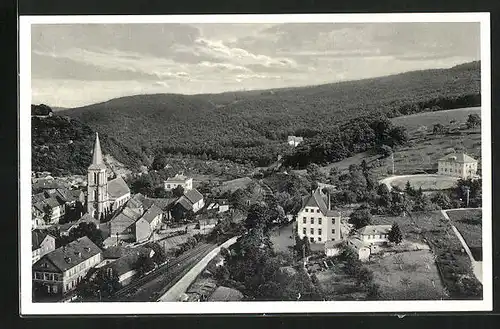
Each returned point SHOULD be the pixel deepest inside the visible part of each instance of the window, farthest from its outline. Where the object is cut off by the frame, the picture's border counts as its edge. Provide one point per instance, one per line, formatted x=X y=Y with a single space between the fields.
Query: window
x=319 y=239
x=333 y=221
x=319 y=231
x=317 y=210
x=54 y=288
x=304 y=220
x=304 y=231
x=312 y=220
x=312 y=231
x=306 y=210
x=168 y=185
x=333 y=231
x=319 y=221
x=311 y=239
x=38 y=276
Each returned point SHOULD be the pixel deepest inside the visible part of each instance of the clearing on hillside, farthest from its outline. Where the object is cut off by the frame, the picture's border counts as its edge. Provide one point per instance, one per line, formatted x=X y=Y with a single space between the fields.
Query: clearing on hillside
x=429 y=182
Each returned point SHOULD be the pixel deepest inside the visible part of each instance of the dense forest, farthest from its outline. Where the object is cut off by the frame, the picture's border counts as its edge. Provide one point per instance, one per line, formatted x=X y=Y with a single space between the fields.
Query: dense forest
x=63 y=146
x=252 y=127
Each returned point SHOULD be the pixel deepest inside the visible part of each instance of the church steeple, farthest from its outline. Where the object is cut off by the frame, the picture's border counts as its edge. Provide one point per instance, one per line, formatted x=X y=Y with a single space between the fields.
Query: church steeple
x=97 y=160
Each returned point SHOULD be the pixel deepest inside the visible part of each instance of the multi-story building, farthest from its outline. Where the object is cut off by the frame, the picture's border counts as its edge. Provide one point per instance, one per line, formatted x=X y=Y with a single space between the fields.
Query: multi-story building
x=458 y=165
x=59 y=271
x=41 y=244
x=172 y=182
x=316 y=220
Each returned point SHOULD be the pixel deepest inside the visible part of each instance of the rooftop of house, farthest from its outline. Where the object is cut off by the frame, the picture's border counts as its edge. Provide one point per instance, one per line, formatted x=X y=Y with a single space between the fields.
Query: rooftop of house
x=295 y=139
x=178 y=178
x=193 y=195
x=117 y=188
x=375 y=229
x=458 y=157
x=162 y=203
x=356 y=242
x=316 y=199
x=69 y=256
x=225 y=294
x=185 y=203
x=151 y=213
x=37 y=237
x=127 y=260
x=332 y=244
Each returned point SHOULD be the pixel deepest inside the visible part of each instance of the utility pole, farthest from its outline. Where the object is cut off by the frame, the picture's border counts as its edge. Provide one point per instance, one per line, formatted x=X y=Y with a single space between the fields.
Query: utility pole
x=467 y=191
x=392 y=159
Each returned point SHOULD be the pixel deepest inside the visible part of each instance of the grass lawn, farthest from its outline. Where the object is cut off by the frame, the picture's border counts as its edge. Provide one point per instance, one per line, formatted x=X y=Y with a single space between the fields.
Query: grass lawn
x=337 y=285
x=425 y=149
x=454 y=264
x=427 y=183
x=409 y=275
x=469 y=224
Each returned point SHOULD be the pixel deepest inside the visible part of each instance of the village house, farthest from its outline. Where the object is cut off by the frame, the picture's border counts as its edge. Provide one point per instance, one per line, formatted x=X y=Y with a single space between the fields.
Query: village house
x=295 y=140
x=458 y=165
x=65 y=229
x=316 y=220
x=59 y=271
x=103 y=197
x=374 y=234
x=41 y=244
x=218 y=206
x=363 y=251
x=192 y=200
x=178 y=180
x=54 y=202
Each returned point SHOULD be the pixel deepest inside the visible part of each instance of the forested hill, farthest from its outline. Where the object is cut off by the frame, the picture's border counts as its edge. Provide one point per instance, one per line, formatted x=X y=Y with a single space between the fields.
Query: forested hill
x=250 y=126
x=63 y=146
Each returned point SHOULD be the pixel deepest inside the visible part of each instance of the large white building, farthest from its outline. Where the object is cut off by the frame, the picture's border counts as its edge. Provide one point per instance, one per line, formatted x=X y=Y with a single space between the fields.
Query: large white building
x=458 y=165
x=316 y=220
x=172 y=182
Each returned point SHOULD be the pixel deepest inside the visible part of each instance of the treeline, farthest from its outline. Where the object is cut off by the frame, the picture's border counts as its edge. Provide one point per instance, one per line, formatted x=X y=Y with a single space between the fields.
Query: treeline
x=63 y=146
x=342 y=141
x=252 y=127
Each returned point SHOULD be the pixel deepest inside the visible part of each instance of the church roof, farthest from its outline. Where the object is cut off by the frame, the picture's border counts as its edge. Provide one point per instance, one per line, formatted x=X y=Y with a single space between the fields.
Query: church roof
x=117 y=188
x=458 y=157
x=97 y=160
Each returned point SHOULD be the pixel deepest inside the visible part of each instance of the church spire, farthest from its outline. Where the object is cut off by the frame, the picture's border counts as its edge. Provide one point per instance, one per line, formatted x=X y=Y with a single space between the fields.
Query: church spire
x=97 y=161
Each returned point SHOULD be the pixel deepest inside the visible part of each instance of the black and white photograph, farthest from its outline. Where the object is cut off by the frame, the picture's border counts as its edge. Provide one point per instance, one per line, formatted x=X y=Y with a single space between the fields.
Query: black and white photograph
x=255 y=164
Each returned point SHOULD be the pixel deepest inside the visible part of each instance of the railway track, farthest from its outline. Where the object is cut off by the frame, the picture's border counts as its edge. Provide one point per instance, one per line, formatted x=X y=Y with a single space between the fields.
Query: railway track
x=156 y=283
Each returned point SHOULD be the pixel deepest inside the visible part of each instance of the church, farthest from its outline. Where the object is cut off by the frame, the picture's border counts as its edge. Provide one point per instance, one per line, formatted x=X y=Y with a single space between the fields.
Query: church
x=103 y=197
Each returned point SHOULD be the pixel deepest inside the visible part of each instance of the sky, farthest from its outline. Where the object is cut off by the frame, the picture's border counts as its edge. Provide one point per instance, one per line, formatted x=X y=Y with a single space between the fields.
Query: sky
x=79 y=64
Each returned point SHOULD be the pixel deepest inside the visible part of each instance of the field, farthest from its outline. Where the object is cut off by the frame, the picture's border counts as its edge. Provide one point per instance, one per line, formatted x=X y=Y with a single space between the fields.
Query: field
x=453 y=263
x=425 y=182
x=337 y=285
x=408 y=276
x=469 y=224
x=424 y=148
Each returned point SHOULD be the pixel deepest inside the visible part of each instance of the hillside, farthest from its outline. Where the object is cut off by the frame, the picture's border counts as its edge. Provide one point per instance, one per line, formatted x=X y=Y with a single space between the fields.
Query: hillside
x=63 y=146
x=252 y=126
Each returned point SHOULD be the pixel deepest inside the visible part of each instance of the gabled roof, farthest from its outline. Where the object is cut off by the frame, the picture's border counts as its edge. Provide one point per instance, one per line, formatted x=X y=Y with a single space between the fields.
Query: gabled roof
x=97 y=160
x=53 y=202
x=316 y=200
x=375 y=229
x=295 y=138
x=124 y=219
x=458 y=157
x=37 y=237
x=38 y=197
x=185 y=203
x=193 y=195
x=68 y=256
x=151 y=213
x=162 y=203
x=117 y=188
x=178 y=178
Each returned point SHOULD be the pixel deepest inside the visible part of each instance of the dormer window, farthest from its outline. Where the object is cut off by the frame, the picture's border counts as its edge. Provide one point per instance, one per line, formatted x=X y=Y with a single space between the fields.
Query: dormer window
x=87 y=249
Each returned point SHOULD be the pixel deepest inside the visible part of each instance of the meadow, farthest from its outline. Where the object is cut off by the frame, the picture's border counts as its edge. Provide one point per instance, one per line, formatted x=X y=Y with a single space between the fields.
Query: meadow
x=469 y=223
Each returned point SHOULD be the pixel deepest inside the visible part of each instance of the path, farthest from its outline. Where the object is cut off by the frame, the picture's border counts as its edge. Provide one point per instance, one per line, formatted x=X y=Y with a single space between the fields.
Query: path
x=175 y=292
x=388 y=180
x=477 y=266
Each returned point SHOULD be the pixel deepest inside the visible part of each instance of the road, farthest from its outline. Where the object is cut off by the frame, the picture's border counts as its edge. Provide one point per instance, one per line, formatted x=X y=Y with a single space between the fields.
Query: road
x=156 y=283
x=175 y=292
x=388 y=180
x=477 y=266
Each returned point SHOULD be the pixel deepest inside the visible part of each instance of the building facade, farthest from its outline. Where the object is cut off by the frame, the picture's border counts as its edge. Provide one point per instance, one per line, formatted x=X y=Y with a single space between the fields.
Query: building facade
x=317 y=221
x=374 y=234
x=42 y=243
x=178 y=180
x=458 y=165
x=97 y=183
x=60 y=271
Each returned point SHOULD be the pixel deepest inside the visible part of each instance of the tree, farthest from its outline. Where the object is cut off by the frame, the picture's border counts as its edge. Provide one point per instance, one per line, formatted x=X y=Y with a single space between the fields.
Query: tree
x=98 y=284
x=361 y=217
x=89 y=230
x=47 y=216
x=437 y=129
x=442 y=200
x=144 y=264
x=159 y=162
x=178 y=191
x=473 y=120
x=159 y=255
x=395 y=234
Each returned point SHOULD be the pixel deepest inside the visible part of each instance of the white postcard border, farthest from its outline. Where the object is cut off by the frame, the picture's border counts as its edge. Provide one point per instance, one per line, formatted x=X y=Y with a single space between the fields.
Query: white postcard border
x=27 y=307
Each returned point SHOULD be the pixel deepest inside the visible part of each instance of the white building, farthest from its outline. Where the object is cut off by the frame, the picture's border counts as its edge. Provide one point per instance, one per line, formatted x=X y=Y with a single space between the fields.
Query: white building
x=294 y=140
x=316 y=220
x=458 y=165
x=41 y=244
x=371 y=234
x=172 y=182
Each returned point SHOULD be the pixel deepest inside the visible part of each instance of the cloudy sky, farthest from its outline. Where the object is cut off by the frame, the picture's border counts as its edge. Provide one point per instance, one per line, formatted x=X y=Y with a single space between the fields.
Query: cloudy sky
x=80 y=64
